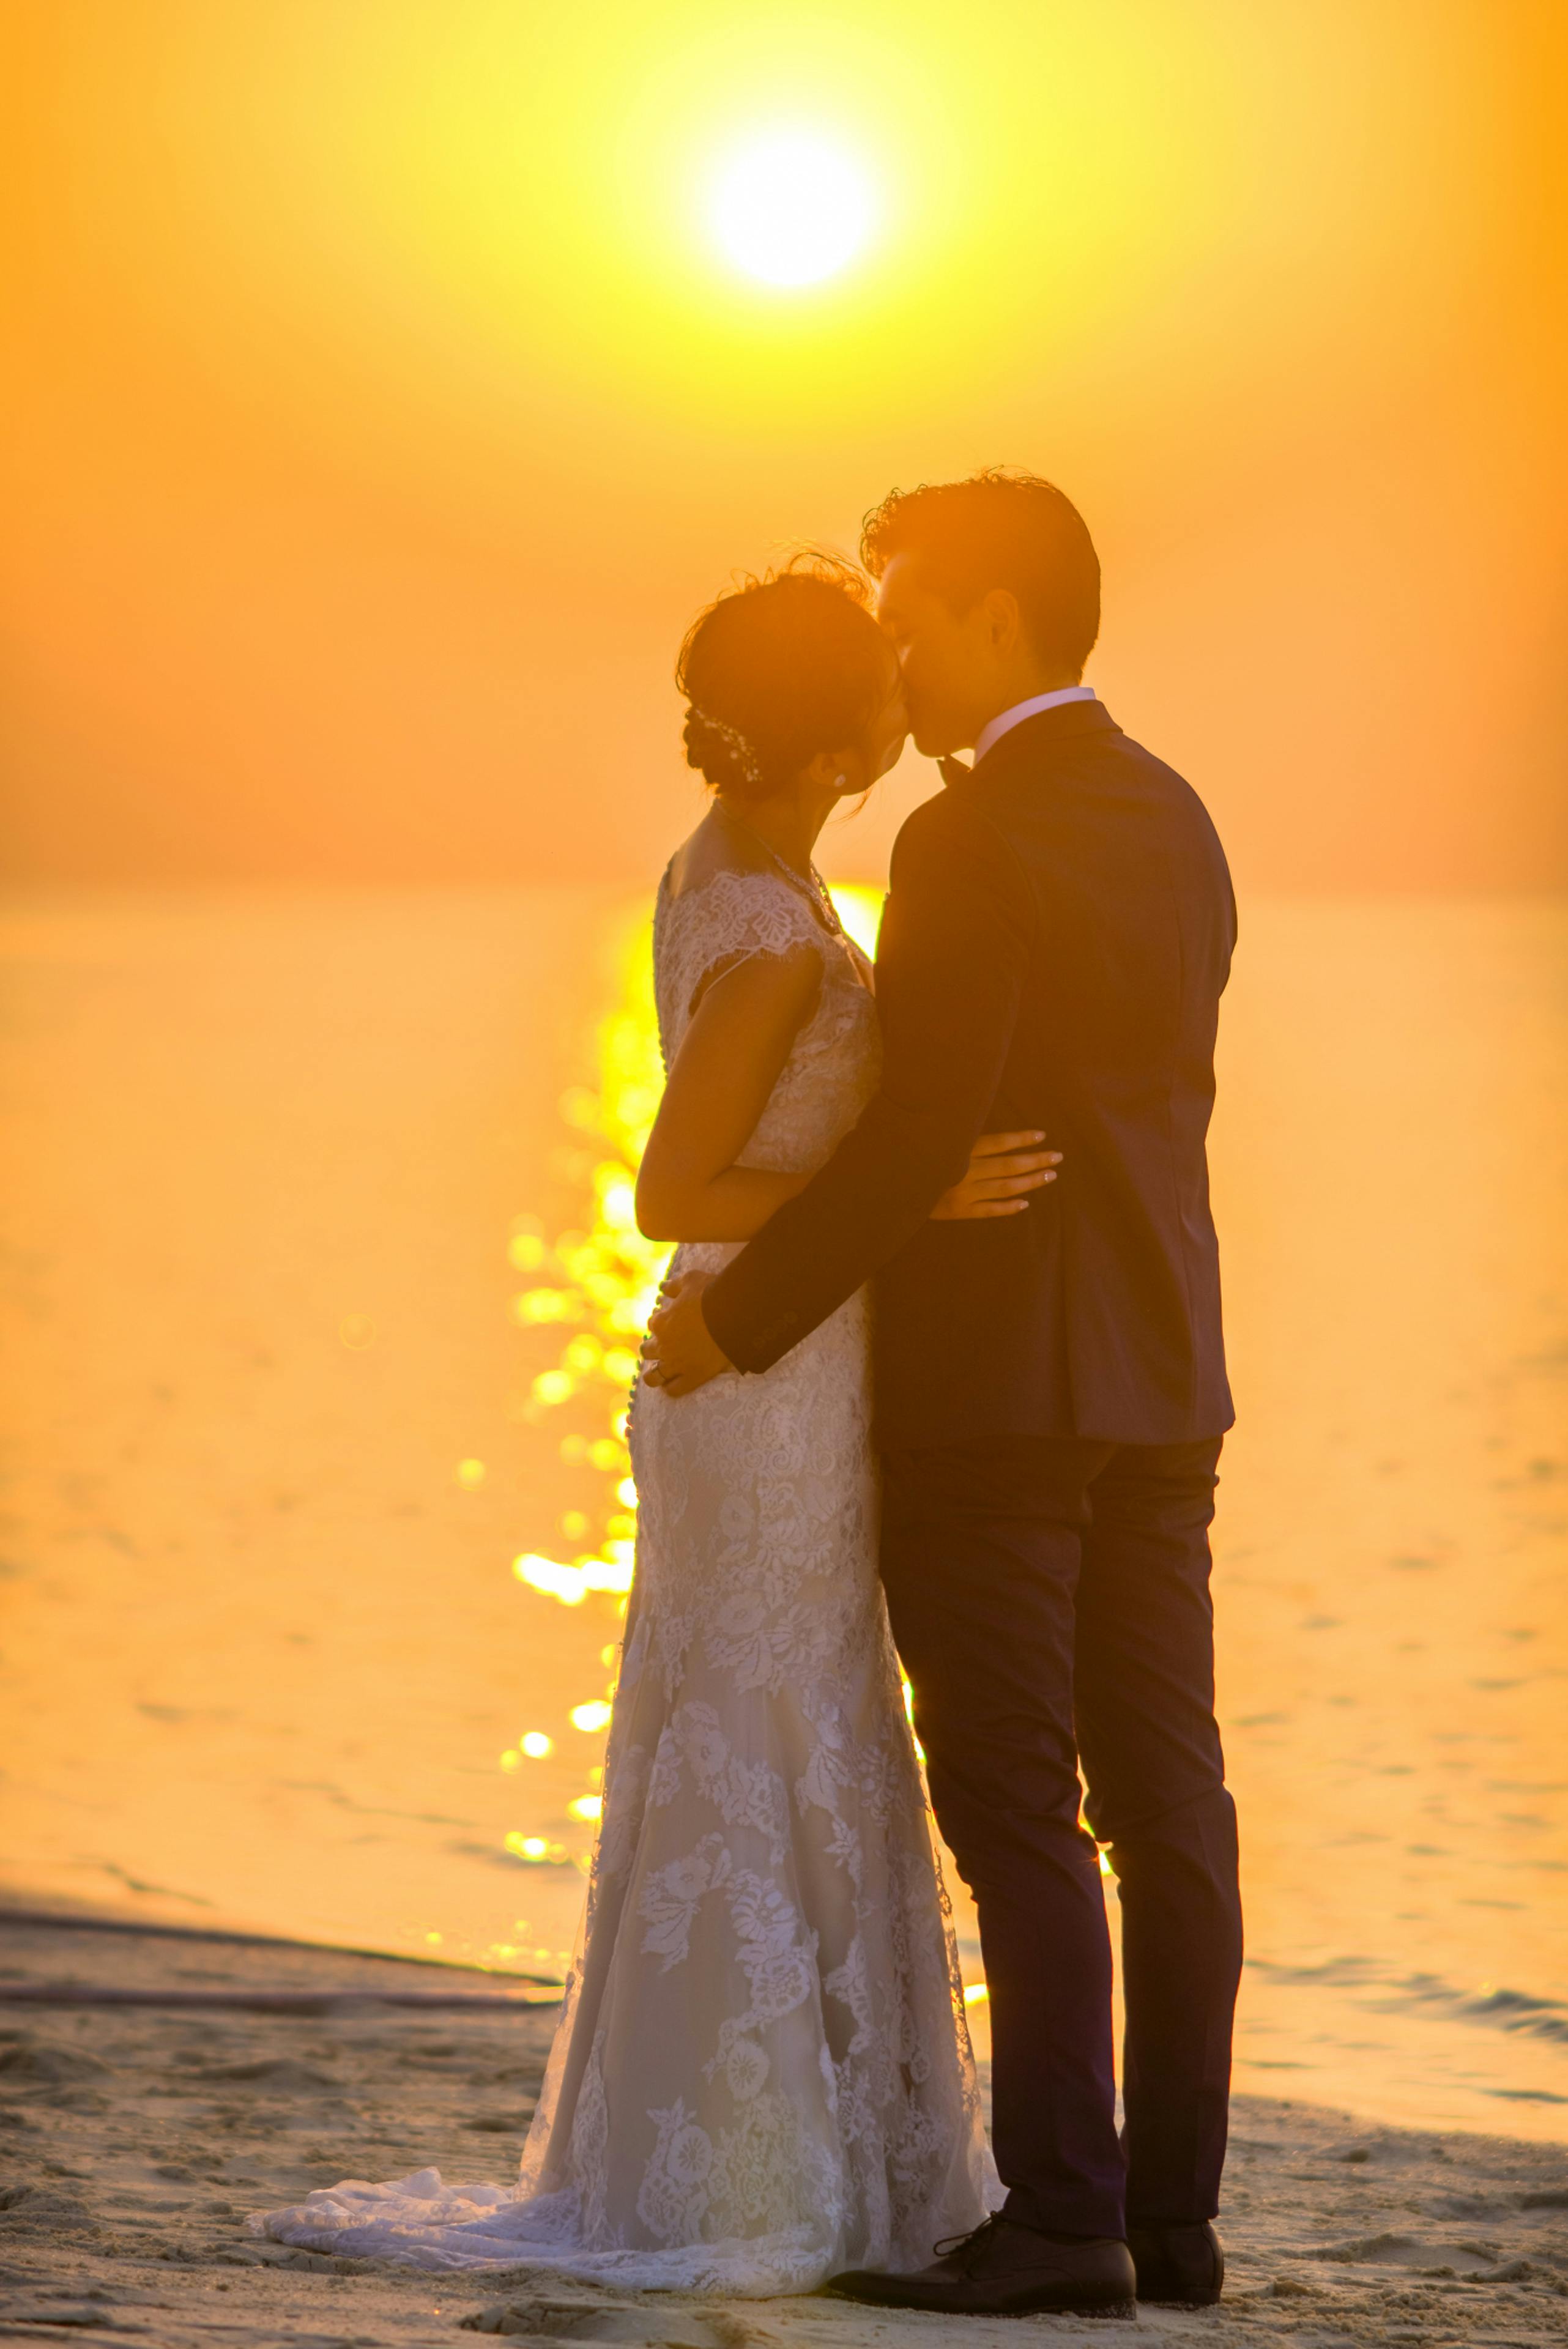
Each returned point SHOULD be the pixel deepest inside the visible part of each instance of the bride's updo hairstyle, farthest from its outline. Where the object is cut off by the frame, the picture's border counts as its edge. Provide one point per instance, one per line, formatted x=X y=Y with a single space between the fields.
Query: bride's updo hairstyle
x=779 y=668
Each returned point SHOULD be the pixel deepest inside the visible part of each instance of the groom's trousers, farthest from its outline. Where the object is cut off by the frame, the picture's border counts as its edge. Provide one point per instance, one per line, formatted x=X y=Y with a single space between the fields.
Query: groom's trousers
x=1050 y=1602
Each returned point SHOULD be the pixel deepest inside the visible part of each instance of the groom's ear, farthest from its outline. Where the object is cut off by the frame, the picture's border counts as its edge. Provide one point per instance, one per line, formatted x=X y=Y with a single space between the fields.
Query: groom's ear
x=1002 y=619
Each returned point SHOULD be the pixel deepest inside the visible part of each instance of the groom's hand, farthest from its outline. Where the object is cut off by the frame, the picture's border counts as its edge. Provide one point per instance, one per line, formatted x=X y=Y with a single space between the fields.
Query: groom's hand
x=679 y=1352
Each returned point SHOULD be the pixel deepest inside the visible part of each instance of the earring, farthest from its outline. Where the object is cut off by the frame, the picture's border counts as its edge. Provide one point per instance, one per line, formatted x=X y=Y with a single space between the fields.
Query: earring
x=841 y=780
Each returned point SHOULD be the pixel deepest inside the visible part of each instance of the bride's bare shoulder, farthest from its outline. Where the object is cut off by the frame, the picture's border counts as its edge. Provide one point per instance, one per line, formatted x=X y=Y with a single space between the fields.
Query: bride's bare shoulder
x=716 y=846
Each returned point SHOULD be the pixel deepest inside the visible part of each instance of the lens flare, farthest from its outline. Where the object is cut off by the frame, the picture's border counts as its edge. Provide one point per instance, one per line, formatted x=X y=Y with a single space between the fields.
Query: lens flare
x=791 y=207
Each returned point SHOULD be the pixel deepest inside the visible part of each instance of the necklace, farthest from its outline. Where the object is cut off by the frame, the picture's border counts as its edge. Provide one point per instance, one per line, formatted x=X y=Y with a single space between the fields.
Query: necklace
x=809 y=882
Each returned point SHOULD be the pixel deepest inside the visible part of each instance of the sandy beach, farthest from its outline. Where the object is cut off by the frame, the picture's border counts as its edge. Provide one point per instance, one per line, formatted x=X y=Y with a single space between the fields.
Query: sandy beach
x=138 y=2138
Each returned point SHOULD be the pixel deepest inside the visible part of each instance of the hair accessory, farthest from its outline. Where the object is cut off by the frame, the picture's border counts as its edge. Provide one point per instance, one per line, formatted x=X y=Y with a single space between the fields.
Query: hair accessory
x=750 y=764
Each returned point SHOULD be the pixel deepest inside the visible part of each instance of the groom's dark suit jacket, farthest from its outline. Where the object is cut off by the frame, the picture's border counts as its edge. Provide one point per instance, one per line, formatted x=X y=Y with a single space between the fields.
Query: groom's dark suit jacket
x=1056 y=936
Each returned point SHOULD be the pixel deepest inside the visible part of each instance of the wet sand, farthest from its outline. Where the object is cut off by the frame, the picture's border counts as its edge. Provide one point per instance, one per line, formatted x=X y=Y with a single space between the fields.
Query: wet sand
x=135 y=2139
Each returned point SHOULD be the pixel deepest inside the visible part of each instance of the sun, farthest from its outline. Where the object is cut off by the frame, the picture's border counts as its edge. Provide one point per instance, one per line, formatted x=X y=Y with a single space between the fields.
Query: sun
x=791 y=206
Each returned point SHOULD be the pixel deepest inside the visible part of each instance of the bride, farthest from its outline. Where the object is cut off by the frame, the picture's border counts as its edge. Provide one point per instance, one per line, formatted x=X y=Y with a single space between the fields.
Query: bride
x=762 y=2074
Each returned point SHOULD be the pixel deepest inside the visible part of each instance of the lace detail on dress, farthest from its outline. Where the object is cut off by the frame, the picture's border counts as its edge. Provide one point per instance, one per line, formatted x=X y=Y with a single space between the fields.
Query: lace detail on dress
x=761 y=2071
x=731 y=916
x=832 y=1069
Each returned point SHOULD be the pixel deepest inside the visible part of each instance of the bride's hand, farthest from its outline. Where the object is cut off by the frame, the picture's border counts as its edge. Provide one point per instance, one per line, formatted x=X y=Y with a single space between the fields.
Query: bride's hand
x=1003 y=1169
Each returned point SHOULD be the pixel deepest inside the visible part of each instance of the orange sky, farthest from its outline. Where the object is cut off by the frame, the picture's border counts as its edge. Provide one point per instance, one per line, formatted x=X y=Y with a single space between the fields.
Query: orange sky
x=378 y=408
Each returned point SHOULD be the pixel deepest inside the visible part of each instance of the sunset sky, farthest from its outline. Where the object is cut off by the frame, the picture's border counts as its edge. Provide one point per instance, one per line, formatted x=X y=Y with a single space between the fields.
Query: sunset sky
x=383 y=396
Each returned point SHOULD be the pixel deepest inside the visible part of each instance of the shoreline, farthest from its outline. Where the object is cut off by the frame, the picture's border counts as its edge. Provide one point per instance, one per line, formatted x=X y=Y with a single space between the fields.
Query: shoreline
x=138 y=2138
x=95 y=1921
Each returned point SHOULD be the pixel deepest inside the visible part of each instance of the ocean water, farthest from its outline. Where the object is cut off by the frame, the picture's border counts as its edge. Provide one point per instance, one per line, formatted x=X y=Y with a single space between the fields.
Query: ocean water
x=319 y=1299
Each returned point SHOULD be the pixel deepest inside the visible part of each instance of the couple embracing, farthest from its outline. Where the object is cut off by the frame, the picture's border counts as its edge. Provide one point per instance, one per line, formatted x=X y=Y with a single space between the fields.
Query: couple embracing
x=938 y=1363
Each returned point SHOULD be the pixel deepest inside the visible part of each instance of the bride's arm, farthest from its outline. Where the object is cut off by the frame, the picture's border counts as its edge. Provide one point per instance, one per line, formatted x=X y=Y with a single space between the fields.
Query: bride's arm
x=689 y=1186
x=738 y=1037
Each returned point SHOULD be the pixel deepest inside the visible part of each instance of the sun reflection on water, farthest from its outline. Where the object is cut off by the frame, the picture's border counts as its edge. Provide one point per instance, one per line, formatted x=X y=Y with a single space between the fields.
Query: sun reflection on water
x=596 y=1283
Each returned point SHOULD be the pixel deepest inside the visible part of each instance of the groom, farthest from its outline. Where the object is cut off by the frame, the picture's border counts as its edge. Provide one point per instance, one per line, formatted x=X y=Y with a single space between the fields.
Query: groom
x=1051 y=1392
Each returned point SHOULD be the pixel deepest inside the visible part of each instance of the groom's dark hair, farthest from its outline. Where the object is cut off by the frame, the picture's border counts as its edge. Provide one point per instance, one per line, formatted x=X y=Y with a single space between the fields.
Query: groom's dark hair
x=998 y=529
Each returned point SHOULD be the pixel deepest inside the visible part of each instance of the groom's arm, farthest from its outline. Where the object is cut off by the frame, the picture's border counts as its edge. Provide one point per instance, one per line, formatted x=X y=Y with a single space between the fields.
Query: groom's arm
x=955 y=941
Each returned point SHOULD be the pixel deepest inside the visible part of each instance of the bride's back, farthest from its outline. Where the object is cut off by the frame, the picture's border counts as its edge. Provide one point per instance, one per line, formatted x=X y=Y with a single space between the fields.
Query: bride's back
x=717 y=846
x=715 y=911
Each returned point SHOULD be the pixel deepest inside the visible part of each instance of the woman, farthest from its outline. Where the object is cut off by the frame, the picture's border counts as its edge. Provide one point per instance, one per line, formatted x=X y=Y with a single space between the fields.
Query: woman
x=762 y=2074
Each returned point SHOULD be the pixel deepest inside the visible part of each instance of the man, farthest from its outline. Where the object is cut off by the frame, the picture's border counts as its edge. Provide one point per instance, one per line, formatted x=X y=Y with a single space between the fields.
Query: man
x=1051 y=1391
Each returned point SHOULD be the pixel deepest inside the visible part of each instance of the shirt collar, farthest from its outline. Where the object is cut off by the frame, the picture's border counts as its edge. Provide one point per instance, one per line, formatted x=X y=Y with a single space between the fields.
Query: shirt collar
x=994 y=728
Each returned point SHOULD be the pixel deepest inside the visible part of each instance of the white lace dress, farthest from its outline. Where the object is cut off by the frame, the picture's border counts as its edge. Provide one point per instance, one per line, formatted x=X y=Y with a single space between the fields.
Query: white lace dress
x=762 y=2073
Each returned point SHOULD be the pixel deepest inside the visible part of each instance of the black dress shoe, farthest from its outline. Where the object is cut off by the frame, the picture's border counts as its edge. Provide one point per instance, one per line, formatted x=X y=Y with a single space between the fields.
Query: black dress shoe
x=1006 y=2270
x=1178 y=2263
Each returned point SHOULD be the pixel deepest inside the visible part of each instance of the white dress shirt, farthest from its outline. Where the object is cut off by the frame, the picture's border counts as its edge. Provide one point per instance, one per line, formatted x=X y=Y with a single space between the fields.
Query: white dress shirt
x=995 y=728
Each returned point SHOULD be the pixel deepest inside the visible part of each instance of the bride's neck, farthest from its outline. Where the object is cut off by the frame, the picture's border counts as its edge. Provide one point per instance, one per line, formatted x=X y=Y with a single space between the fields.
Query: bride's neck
x=788 y=822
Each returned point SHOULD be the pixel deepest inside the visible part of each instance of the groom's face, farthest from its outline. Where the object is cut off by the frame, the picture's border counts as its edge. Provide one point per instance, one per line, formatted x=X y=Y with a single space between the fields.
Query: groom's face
x=947 y=658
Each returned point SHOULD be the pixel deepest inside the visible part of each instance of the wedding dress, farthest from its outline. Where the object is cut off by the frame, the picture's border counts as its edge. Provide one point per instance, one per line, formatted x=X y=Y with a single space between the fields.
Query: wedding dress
x=762 y=2073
